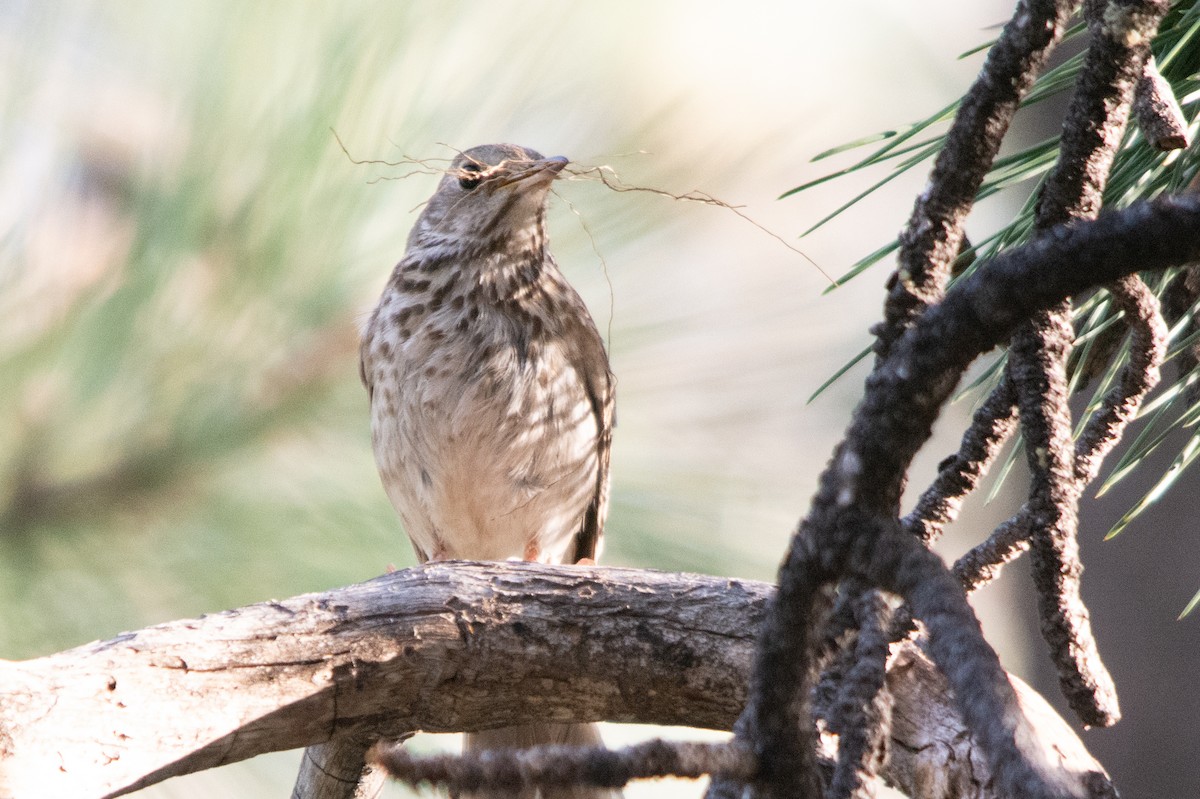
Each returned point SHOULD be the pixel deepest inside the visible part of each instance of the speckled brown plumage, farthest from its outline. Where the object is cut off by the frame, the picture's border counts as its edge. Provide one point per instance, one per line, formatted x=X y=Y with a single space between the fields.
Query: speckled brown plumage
x=491 y=393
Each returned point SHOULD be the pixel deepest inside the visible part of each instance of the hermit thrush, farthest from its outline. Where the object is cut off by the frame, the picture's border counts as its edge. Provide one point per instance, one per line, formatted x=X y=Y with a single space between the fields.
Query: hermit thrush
x=491 y=394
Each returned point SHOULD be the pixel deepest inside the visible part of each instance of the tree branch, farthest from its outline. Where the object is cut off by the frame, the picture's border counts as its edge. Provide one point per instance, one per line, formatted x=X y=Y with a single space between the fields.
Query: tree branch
x=851 y=528
x=1157 y=111
x=517 y=770
x=1120 y=33
x=861 y=712
x=338 y=769
x=443 y=647
x=959 y=474
x=930 y=241
x=932 y=754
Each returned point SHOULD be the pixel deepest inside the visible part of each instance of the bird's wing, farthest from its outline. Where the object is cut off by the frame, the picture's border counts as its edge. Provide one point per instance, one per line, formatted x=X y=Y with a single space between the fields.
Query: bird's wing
x=601 y=388
x=362 y=370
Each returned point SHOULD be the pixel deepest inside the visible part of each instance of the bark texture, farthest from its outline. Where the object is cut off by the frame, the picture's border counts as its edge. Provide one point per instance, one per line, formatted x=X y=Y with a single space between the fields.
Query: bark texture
x=447 y=646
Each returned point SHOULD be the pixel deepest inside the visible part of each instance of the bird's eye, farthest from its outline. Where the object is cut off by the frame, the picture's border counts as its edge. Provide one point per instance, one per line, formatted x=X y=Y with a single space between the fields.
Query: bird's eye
x=470 y=178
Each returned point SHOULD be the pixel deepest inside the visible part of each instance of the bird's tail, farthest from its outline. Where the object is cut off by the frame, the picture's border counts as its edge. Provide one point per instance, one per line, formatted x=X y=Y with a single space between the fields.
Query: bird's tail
x=527 y=735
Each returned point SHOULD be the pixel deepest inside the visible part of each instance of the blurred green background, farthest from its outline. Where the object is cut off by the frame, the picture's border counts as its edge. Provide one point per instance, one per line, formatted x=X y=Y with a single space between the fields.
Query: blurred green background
x=186 y=254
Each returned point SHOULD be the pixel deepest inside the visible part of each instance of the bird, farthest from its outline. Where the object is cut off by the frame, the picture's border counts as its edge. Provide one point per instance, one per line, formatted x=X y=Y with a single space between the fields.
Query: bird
x=491 y=394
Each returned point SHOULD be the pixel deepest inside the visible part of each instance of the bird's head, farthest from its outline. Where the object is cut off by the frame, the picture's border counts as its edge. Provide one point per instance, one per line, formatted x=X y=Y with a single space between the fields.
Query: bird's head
x=491 y=194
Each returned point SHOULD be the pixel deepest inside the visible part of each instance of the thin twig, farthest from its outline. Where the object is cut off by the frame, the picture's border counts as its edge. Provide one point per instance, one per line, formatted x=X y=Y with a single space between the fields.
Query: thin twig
x=602 y=173
x=421 y=163
x=1157 y=111
x=930 y=241
x=983 y=562
x=861 y=715
x=603 y=265
x=1147 y=349
x=608 y=176
x=561 y=766
x=959 y=474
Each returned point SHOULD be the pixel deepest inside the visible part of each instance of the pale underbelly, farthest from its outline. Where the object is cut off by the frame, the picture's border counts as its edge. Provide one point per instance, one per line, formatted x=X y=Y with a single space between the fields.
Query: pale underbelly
x=478 y=479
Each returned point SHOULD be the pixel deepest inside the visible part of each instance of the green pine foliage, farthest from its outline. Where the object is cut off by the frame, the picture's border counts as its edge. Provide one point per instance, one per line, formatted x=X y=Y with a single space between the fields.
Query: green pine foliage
x=1139 y=172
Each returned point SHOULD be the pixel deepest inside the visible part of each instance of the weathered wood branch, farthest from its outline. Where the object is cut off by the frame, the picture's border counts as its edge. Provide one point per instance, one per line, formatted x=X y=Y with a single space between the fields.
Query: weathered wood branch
x=443 y=647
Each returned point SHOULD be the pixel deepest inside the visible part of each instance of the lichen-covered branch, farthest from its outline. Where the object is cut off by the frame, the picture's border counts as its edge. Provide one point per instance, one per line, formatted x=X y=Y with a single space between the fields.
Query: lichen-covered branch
x=1147 y=349
x=1121 y=32
x=861 y=713
x=959 y=474
x=777 y=723
x=1180 y=304
x=930 y=241
x=849 y=530
x=983 y=562
x=1095 y=122
x=1037 y=364
x=561 y=766
x=1157 y=111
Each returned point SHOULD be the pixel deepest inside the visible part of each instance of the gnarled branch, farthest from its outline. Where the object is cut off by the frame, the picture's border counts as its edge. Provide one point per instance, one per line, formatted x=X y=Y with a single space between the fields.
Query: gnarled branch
x=443 y=647
x=851 y=530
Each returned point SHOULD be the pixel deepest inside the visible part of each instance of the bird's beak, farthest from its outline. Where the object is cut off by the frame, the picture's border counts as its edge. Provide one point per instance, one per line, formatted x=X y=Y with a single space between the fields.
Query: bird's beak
x=538 y=172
